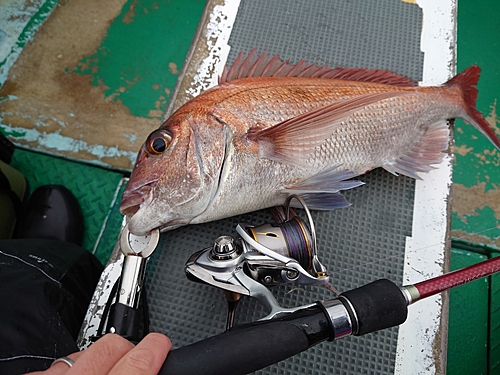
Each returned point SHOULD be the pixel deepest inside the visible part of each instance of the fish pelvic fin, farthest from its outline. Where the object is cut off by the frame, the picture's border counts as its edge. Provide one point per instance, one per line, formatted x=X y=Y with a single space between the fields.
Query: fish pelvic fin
x=323 y=201
x=263 y=65
x=294 y=140
x=322 y=190
x=467 y=81
x=424 y=154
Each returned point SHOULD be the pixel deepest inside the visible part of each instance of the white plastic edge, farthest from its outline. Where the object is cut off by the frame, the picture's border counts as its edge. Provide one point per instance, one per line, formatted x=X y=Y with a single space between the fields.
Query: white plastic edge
x=420 y=340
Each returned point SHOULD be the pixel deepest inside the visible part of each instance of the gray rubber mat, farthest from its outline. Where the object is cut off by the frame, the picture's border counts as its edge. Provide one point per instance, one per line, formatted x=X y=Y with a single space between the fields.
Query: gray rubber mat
x=358 y=244
x=381 y=34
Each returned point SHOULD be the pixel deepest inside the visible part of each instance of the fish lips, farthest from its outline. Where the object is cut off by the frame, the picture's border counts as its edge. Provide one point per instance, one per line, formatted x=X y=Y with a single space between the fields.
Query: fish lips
x=134 y=199
x=144 y=220
x=136 y=203
x=140 y=227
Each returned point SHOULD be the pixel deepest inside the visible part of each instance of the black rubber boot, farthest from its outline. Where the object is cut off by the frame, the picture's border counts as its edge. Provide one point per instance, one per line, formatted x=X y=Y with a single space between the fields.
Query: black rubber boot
x=52 y=212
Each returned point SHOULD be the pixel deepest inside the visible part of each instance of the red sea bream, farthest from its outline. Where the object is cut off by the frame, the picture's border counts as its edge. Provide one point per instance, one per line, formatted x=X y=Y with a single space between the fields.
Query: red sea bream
x=270 y=129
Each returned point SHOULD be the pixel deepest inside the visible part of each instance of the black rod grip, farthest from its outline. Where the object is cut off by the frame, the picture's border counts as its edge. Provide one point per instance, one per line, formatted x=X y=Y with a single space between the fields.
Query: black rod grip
x=250 y=347
x=378 y=305
x=125 y=321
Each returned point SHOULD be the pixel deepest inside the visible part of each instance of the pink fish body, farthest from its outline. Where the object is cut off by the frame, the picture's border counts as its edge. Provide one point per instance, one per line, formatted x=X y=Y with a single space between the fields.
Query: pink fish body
x=270 y=129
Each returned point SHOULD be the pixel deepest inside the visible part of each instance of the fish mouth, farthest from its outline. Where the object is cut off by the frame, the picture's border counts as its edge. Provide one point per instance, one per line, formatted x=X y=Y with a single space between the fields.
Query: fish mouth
x=134 y=199
x=173 y=225
x=140 y=227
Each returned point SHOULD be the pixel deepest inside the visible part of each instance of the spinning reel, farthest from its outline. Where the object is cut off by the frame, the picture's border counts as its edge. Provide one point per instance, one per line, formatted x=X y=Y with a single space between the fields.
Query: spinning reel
x=266 y=255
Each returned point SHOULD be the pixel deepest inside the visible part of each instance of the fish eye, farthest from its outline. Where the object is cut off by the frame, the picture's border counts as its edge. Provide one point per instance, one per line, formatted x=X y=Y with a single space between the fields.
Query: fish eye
x=158 y=141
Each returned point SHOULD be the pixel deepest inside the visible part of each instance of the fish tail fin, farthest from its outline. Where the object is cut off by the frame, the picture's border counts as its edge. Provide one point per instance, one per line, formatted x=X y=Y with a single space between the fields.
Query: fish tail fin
x=467 y=81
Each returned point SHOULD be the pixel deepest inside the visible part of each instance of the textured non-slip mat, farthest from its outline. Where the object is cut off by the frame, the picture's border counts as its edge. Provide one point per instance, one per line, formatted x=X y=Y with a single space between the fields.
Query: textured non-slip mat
x=358 y=245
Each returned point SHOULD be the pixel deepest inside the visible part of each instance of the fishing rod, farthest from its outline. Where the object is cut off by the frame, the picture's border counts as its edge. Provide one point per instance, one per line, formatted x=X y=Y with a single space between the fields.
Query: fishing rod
x=285 y=252
x=263 y=256
x=372 y=307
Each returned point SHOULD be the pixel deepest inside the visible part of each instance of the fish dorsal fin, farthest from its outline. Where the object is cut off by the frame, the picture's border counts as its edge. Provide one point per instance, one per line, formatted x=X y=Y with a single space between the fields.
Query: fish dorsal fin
x=264 y=65
x=294 y=140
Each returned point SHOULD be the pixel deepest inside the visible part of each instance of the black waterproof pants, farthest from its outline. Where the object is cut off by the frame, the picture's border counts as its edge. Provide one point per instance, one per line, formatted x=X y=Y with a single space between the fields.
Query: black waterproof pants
x=45 y=289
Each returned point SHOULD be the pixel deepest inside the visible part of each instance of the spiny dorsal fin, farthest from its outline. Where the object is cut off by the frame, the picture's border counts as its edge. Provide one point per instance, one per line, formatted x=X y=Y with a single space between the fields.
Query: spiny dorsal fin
x=266 y=66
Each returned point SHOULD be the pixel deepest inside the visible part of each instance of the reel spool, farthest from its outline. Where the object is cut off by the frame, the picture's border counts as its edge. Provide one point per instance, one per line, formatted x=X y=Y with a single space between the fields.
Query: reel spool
x=292 y=238
x=289 y=238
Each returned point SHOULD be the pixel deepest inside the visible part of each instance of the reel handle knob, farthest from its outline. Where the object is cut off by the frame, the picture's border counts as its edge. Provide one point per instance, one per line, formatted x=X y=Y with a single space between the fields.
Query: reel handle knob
x=224 y=248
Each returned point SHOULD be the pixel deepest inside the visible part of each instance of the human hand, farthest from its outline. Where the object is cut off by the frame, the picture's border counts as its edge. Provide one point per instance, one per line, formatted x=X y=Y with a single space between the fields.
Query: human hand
x=112 y=355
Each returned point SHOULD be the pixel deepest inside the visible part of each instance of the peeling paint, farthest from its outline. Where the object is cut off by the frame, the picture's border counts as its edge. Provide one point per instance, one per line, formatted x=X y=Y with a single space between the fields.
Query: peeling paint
x=133 y=57
x=470 y=200
x=173 y=68
x=19 y=21
x=217 y=36
x=128 y=17
x=90 y=74
x=488 y=157
x=55 y=142
x=462 y=150
x=476 y=212
x=479 y=239
x=493 y=119
x=99 y=299
x=131 y=137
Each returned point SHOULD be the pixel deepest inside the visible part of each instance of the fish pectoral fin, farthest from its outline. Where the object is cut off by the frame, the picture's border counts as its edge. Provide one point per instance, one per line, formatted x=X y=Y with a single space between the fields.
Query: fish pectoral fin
x=322 y=191
x=294 y=140
x=424 y=154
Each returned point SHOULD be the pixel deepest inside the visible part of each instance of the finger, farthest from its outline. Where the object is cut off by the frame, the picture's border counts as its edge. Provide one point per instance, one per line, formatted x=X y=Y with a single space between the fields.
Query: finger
x=146 y=358
x=102 y=355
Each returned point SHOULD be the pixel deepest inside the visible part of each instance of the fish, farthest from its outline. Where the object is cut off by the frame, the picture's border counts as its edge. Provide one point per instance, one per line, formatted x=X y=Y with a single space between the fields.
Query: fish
x=270 y=129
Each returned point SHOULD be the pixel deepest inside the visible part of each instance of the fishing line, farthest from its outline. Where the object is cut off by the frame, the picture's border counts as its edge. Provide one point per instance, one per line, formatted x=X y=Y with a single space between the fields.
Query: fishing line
x=413 y=251
x=297 y=242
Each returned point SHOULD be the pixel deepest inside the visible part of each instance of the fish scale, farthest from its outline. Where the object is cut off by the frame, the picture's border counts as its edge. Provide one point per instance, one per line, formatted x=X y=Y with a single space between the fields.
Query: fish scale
x=271 y=129
x=287 y=101
x=361 y=134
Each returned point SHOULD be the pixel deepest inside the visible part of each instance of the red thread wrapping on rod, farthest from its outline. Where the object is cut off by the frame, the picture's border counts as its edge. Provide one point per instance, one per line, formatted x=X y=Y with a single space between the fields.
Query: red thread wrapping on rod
x=450 y=280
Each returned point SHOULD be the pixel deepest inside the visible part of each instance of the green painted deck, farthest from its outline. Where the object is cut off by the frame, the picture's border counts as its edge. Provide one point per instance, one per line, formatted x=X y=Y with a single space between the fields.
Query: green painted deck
x=473 y=346
x=131 y=82
x=476 y=177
